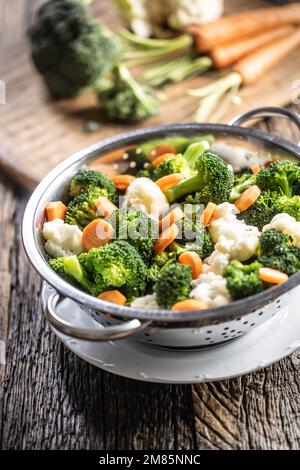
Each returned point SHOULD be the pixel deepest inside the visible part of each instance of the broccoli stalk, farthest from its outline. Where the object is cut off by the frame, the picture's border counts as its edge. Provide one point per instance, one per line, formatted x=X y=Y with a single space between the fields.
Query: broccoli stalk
x=69 y=48
x=213 y=181
x=243 y=279
x=173 y=284
x=243 y=184
x=74 y=270
x=127 y=100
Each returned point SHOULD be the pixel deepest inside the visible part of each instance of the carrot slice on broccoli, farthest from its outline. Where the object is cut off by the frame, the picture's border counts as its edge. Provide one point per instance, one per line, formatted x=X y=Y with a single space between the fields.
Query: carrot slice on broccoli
x=97 y=233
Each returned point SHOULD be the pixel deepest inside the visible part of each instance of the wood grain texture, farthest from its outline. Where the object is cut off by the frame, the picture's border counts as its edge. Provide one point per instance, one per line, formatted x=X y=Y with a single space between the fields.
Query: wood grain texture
x=50 y=399
x=37 y=133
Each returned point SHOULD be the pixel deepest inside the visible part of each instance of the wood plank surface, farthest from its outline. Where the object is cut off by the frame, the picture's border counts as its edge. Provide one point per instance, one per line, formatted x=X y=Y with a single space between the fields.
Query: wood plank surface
x=37 y=133
x=51 y=399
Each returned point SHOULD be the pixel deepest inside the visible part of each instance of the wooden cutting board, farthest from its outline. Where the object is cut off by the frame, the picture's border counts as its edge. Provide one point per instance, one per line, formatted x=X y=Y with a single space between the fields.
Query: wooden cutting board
x=37 y=133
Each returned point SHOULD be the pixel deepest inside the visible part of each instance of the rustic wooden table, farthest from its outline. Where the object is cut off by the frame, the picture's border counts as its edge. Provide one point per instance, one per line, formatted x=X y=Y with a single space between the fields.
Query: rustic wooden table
x=51 y=399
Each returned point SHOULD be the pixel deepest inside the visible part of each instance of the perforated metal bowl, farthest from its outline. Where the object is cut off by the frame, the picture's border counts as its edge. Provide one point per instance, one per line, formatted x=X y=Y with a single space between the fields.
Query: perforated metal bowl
x=164 y=328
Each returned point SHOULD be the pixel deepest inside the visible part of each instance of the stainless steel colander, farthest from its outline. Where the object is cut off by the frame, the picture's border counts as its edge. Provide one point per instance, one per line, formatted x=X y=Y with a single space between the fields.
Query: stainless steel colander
x=164 y=328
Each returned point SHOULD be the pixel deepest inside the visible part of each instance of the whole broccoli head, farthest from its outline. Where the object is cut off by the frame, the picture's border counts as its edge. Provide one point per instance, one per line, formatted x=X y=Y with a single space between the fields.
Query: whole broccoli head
x=283 y=177
x=267 y=206
x=177 y=164
x=243 y=279
x=84 y=179
x=173 y=284
x=116 y=265
x=136 y=228
x=70 y=270
x=192 y=236
x=127 y=100
x=278 y=252
x=82 y=209
x=212 y=183
x=69 y=48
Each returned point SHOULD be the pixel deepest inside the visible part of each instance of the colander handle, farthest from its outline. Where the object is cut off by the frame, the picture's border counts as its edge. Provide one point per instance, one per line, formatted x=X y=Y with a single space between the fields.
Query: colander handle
x=121 y=331
x=268 y=111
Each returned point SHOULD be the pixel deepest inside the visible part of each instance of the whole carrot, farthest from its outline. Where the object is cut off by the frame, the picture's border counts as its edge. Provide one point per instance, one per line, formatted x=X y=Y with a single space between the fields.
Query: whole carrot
x=242 y=25
x=256 y=64
x=227 y=54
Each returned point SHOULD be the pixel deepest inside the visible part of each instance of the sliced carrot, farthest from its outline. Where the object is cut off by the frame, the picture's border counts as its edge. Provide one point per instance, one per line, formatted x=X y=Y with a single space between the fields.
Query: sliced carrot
x=272 y=276
x=113 y=296
x=104 y=206
x=97 y=233
x=174 y=215
x=122 y=182
x=247 y=198
x=255 y=169
x=162 y=158
x=161 y=149
x=55 y=210
x=168 y=181
x=189 y=304
x=192 y=259
x=166 y=238
x=208 y=213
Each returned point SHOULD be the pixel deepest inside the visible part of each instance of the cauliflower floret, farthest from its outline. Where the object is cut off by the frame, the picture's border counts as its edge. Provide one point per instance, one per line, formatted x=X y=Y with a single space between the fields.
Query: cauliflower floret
x=233 y=236
x=285 y=223
x=216 y=262
x=240 y=241
x=226 y=214
x=146 y=196
x=62 y=239
x=210 y=288
x=146 y=302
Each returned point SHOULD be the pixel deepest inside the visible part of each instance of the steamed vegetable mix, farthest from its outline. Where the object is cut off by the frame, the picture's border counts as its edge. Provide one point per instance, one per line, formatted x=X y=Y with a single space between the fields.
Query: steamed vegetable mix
x=190 y=235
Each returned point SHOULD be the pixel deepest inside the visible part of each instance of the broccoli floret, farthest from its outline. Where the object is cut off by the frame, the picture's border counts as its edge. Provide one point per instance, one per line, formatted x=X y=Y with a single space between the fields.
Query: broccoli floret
x=71 y=271
x=127 y=100
x=82 y=209
x=267 y=206
x=86 y=178
x=69 y=48
x=192 y=236
x=212 y=183
x=158 y=262
x=240 y=185
x=241 y=176
x=173 y=284
x=116 y=265
x=283 y=177
x=278 y=252
x=136 y=228
x=243 y=279
x=178 y=164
